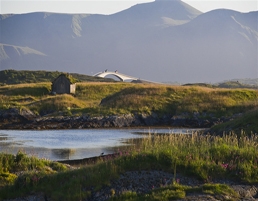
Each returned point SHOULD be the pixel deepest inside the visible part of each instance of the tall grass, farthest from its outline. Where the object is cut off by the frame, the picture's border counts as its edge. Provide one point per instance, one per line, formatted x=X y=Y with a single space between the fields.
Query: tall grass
x=208 y=158
x=205 y=156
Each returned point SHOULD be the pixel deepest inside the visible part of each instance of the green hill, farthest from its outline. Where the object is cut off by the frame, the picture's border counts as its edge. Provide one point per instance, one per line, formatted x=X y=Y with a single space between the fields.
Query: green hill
x=246 y=122
x=24 y=76
x=95 y=98
x=234 y=84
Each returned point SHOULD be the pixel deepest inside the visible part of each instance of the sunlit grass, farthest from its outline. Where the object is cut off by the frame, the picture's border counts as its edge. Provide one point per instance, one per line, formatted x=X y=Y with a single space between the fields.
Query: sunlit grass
x=52 y=104
x=120 y=98
x=176 y=100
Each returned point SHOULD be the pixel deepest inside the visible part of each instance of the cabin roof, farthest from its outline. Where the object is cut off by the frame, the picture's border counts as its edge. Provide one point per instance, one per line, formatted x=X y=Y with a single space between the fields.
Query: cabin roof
x=69 y=77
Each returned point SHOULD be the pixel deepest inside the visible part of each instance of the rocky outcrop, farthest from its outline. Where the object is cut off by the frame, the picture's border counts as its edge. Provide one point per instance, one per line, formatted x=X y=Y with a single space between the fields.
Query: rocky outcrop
x=25 y=119
x=143 y=182
x=14 y=115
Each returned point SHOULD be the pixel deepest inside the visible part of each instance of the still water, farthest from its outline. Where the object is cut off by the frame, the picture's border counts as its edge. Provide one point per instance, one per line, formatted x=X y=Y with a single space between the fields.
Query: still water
x=73 y=144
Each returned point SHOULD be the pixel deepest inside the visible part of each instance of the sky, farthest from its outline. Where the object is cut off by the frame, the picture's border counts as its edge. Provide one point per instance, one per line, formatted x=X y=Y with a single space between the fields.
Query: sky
x=110 y=7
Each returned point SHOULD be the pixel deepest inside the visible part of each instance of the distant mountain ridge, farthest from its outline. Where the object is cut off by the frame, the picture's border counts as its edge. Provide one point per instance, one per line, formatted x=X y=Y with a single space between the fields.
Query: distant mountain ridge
x=164 y=41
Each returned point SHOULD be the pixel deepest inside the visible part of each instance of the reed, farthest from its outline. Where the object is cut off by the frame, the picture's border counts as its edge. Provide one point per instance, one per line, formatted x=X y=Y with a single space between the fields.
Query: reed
x=206 y=156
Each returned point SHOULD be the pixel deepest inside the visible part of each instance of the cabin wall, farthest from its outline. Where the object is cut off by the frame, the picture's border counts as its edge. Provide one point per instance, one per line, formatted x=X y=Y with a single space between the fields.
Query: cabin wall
x=61 y=85
x=72 y=88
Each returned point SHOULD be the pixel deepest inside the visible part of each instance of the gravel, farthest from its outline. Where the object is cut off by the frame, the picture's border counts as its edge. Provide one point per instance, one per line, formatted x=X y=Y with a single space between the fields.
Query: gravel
x=144 y=181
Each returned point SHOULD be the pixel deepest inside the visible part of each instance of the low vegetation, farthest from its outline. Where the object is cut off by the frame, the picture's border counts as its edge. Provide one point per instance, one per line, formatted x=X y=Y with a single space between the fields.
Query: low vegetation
x=243 y=83
x=21 y=170
x=233 y=84
x=207 y=158
x=97 y=99
x=176 y=191
x=100 y=99
x=246 y=122
x=117 y=98
x=22 y=77
x=177 y=100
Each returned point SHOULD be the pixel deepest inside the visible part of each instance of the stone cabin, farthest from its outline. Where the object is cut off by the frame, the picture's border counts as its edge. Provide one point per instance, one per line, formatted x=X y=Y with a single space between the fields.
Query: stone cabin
x=63 y=84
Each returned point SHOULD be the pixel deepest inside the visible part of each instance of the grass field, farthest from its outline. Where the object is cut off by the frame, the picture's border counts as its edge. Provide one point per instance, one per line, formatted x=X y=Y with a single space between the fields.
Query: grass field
x=101 y=99
x=128 y=98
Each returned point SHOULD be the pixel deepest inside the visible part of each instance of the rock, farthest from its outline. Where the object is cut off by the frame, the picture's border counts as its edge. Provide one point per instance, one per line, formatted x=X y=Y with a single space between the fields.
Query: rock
x=25 y=119
x=149 y=120
x=14 y=115
x=144 y=181
x=121 y=121
x=26 y=113
x=246 y=191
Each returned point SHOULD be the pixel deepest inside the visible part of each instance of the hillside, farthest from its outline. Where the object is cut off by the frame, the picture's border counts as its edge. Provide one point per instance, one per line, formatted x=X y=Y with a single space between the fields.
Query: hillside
x=18 y=77
x=244 y=124
x=234 y=84
x=118 y=98
x=243 y=82
x=162 y=41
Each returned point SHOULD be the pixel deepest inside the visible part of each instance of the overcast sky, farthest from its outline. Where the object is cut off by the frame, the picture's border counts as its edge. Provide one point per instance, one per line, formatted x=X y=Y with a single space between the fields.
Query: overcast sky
x=109 y=7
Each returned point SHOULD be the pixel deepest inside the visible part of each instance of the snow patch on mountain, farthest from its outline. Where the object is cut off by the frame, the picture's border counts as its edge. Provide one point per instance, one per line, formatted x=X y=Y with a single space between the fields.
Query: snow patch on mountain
x=6 y=49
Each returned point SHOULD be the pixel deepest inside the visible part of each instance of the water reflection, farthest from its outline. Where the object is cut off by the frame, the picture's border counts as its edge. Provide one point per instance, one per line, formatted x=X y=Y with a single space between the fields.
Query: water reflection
x=63 y=153
x=73 y=144
x=3 y=138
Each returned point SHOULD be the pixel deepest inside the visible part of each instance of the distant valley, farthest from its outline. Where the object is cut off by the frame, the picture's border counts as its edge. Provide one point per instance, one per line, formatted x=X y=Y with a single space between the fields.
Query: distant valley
x=163 y=41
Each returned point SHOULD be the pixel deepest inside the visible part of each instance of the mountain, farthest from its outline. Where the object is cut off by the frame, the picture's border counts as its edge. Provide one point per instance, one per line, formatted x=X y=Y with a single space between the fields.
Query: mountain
x=164 y=41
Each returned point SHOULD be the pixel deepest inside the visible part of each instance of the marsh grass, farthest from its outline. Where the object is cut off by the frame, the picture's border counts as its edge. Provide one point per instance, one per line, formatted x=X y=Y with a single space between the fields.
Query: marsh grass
x=205 y=157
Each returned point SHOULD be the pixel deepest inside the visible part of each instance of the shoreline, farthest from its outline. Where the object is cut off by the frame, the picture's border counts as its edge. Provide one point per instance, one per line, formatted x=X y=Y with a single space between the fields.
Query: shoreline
x=88 y=161
x=11 y=120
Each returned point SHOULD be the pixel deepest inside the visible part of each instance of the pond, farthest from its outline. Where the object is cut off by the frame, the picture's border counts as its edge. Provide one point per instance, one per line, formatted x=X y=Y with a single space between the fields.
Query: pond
x=74 y=144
